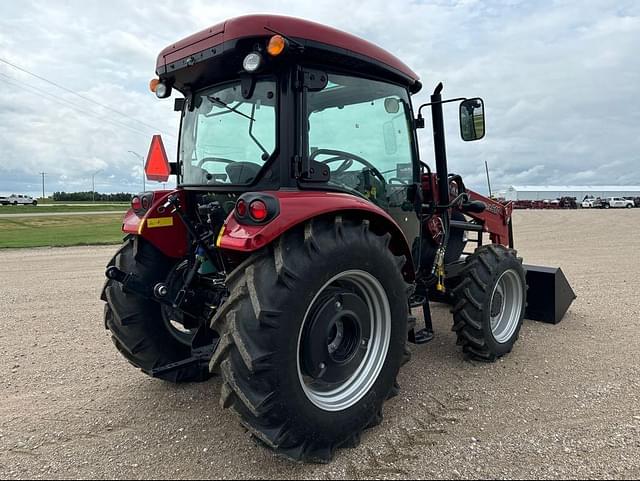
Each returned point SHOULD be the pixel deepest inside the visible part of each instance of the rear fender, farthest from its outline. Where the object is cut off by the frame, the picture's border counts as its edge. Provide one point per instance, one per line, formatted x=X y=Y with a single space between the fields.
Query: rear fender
x=159 y=226
x=300 y=206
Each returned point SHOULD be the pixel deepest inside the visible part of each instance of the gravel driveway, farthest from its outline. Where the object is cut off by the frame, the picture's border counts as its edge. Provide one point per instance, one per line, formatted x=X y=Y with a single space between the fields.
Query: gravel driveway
x=564 y=404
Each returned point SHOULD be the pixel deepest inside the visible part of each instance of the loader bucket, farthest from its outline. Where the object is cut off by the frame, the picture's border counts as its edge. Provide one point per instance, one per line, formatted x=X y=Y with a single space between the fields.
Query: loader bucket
x=549 y=295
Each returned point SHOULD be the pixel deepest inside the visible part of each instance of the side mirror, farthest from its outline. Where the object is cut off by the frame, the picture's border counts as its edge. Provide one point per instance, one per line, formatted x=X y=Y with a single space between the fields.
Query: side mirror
x=472 y=119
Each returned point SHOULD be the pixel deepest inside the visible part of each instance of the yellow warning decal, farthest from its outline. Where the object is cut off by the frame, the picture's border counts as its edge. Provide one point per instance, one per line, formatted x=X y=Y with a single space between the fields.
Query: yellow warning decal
x=160 y=222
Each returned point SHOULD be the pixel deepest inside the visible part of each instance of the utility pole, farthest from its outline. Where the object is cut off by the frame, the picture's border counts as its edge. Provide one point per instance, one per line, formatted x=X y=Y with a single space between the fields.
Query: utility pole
x=141 y=158
x=486 y=166
x=93 y=185
x=43 y=174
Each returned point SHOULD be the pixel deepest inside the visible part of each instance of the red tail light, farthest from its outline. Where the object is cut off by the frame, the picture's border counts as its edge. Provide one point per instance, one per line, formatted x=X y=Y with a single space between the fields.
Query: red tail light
x=258 y=210
x=241 y=208
x=141 y=203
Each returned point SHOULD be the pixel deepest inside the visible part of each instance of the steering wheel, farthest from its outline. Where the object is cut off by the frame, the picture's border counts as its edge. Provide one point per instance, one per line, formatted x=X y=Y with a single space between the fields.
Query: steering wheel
x=214 y=159
x=397 y=180
x=347 y=161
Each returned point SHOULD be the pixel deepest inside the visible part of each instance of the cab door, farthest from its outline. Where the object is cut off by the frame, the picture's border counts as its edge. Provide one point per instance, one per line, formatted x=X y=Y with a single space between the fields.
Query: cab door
x=362 y=130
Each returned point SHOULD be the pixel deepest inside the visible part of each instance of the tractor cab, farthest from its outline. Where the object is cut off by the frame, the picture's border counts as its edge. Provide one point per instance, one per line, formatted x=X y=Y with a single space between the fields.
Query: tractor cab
x=274 y=103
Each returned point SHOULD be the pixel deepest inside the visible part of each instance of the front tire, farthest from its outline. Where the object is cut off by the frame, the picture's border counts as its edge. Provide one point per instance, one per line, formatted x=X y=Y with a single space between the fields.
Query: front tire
x=312 y=338
x=141 y=333
x=489 y=303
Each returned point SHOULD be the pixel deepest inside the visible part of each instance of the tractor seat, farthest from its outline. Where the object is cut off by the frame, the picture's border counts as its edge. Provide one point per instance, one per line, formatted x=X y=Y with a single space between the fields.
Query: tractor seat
x=242 y=172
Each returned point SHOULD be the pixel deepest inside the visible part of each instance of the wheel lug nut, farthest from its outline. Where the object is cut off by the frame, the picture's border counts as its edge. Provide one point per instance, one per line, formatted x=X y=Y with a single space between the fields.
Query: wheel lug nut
x=338 y=305
x=322 y=366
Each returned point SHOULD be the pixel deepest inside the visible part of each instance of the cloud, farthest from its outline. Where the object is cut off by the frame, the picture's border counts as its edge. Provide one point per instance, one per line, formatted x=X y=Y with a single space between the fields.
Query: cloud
x=559 y=80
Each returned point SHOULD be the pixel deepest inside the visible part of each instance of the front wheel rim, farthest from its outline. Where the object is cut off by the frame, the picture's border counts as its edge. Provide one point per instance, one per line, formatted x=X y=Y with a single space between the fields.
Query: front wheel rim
x=355 y=348
x=506 y=306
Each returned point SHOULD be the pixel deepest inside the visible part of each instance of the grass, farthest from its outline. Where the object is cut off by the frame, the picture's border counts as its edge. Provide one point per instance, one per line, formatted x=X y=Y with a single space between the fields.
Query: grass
x=29 y=209
x=58 y=202
x=60 y=231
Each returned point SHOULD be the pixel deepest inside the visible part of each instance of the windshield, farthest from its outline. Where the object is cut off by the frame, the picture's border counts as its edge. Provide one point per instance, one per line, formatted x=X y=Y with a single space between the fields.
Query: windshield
x=226 y=139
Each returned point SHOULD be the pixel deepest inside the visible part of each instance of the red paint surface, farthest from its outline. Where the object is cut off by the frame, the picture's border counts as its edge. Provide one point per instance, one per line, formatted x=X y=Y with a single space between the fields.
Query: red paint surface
x=495 y=218
x=295 y=208
x=299 y=206
x=253 y=26
x=171 y=241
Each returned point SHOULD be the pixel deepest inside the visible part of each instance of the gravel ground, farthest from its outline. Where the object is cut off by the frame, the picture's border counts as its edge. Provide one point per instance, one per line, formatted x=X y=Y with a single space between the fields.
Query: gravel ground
x=564 y=404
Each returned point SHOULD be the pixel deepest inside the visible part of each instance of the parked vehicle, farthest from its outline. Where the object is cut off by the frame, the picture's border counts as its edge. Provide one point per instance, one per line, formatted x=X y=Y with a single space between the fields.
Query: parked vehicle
x=588 y=202
x=618 y=203
x=303 y=229
x=14 y=199
x=636 y=200
x=567 y=203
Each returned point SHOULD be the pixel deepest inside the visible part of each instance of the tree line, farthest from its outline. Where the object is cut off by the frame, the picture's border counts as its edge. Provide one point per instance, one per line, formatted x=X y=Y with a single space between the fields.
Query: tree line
x=89 y=196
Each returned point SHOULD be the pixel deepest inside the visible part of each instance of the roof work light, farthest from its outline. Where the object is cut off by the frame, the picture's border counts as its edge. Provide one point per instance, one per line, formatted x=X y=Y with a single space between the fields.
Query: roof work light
x=252 y=62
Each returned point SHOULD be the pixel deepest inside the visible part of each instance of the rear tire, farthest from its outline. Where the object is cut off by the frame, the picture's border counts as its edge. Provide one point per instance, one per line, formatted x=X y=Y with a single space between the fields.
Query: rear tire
x=265 y=328
x=137 y=326
x=489 y=303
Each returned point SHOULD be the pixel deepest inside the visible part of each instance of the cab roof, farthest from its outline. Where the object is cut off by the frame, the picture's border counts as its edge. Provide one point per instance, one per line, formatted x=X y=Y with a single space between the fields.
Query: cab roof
x=208 y=42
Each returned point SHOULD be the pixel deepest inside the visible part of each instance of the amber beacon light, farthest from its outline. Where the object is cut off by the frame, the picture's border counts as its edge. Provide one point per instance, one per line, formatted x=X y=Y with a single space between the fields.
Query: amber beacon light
x=277 y=45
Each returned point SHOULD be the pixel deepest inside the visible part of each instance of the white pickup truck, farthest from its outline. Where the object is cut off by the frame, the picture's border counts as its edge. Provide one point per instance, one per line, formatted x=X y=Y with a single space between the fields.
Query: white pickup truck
x=617 y=202
x=14 y=199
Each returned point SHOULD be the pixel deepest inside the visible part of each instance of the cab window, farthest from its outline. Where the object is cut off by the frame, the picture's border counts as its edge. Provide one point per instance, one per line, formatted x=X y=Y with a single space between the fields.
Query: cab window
x=227 y=138
x=360 y=129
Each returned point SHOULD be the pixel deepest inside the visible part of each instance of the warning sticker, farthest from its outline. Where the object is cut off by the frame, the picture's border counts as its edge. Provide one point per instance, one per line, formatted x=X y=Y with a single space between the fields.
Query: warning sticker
x=160 y=222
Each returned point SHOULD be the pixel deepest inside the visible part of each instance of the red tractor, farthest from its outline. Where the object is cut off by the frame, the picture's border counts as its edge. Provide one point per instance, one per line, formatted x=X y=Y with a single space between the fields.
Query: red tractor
x=304 y=229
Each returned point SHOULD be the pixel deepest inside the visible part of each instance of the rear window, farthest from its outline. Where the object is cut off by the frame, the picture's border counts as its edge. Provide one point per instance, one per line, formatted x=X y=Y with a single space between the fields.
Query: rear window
x=226 y=138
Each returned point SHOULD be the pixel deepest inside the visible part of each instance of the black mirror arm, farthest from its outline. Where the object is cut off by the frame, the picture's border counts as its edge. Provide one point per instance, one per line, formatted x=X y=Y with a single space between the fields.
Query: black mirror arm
x=420 y=119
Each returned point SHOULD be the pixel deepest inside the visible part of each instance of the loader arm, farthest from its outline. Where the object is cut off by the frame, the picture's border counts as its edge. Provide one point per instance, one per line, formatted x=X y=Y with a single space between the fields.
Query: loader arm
x=496 y=219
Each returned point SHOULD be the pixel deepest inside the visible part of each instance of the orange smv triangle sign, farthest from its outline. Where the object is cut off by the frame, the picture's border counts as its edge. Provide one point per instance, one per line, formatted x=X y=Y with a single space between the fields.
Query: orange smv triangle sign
x=157 y=167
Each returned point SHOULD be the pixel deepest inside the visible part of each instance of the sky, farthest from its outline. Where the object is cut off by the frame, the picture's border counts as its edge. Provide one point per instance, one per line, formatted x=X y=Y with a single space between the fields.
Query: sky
x=560 y=81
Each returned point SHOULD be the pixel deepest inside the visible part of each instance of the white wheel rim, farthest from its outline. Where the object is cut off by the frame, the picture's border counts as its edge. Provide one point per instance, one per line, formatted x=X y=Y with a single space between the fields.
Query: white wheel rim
x=350 y=392
x=506 y=306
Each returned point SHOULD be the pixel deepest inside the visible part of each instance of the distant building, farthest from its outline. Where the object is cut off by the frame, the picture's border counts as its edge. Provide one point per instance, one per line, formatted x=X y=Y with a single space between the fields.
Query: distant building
x=542 y=192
